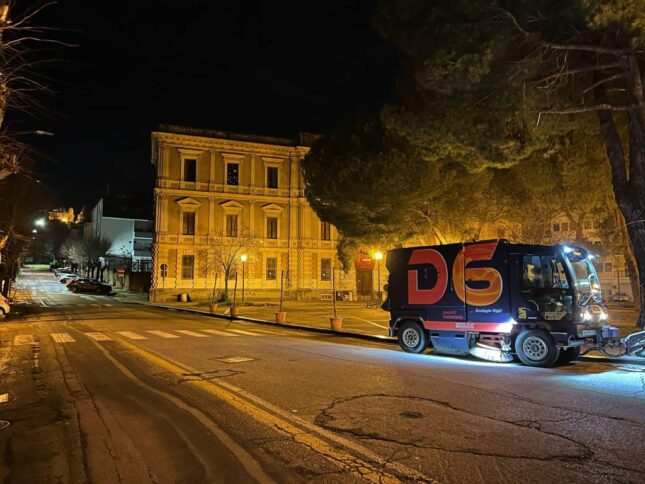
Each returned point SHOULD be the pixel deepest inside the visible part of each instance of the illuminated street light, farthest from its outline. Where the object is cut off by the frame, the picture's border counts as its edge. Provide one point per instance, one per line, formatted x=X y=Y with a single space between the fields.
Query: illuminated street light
x=40 y=222
x=378 y=256
x=34 y=231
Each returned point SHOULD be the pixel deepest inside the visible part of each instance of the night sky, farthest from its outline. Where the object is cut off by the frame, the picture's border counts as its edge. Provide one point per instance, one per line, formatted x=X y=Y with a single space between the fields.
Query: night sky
x=258 y=67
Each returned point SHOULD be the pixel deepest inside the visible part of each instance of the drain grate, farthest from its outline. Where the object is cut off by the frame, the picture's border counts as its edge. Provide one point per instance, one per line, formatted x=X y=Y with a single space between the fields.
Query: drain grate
x=235 y=359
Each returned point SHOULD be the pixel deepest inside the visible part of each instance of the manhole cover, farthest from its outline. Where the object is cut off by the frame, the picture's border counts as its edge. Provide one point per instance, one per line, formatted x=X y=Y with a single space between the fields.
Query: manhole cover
x=4 y=424
x=409 y=414
x=235 y=359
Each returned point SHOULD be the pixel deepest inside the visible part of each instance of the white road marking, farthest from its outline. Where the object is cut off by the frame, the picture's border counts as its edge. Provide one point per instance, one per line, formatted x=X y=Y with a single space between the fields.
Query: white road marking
x=269 y=331
x=98 y=336
x=162 y=334
x=108 y=305
x=241 y=331
x=219 y=333
x=62 y=338
x=368 y=321
x=23 y=339
x=131 y=335
x=192 y=333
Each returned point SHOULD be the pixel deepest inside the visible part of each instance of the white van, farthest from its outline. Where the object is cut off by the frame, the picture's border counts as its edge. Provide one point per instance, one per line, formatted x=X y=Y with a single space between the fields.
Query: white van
x=5 y=308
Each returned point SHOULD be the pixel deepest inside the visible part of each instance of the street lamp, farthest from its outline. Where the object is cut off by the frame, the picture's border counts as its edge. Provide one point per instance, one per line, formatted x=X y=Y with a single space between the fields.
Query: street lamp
x=243 y=258
x=378 y=256
x=40 y=222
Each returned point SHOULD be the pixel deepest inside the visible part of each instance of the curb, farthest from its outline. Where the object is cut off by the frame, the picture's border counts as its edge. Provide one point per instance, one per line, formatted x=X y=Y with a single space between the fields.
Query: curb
x=367 y=337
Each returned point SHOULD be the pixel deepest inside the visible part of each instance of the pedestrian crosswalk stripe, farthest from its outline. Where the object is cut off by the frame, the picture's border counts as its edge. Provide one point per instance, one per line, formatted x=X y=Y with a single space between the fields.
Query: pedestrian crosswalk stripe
x=62 y=338
x=131 y=335
x=98 y=336
x=108 y=305
x=248 y=333
x=219 y=333
x=23 y=339
x=162 y=334
x=191 y=333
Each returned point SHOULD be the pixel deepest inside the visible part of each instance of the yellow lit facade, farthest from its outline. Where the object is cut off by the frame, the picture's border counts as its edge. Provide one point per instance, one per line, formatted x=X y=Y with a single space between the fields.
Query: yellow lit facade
x=214 y=186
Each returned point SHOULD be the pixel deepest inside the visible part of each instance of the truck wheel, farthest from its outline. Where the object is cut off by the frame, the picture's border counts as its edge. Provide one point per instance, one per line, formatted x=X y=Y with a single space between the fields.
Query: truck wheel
x=535 y=347
x=412 y=337
x=568 y=355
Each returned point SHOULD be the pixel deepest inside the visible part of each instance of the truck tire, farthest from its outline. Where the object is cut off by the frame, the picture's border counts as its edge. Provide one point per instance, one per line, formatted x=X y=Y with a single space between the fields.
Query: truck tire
x=535 y=347
x=412 y=337
x=569 y=354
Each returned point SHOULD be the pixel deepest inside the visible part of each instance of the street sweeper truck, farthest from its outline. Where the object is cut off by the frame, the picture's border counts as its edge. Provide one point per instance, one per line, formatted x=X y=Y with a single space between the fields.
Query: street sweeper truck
x=497 y=301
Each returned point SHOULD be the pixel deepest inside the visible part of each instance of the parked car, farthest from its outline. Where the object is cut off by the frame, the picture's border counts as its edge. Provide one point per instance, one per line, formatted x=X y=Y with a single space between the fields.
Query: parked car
x=5 y=308
x=89 y=285
x=620 y=297
x=62 y=270
x=67 y=278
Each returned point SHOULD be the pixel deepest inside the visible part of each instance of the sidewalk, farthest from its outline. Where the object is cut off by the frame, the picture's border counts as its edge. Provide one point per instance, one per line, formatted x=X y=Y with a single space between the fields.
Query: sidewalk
x=357 y=318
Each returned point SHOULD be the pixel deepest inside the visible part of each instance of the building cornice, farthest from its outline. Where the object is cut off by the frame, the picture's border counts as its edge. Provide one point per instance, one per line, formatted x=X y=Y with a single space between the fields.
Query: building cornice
x=183 y=141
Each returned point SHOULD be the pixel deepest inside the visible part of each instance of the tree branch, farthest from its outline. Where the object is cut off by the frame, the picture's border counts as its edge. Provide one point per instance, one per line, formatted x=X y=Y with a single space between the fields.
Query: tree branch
x=558 y=46
x=587 y=48
x=603 y=81
x=580 y=70
x=586 y=109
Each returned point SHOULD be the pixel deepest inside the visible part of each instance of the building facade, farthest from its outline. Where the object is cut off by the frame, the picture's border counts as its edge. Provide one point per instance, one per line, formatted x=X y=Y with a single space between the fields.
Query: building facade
x=217 y=192
x=122 y=221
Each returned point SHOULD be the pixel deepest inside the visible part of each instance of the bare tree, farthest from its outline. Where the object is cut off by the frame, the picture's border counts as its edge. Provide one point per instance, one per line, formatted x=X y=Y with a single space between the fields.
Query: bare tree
x=223 y=254
x=22 y=46
x=75 y=251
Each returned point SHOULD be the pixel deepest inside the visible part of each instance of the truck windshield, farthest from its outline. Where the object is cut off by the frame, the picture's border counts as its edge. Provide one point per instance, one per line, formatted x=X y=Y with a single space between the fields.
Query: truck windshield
x=586 y=280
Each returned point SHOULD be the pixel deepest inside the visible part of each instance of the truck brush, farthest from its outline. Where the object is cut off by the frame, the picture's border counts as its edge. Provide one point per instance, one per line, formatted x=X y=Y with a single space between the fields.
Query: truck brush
x=490 y=353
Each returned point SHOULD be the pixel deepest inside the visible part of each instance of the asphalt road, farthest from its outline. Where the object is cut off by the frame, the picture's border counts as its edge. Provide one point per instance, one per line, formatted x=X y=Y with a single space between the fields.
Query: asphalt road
x=103 y=391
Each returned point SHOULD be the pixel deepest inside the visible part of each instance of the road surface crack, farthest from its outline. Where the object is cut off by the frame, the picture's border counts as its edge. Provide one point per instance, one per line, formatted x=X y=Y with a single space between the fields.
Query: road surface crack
x=325 y=419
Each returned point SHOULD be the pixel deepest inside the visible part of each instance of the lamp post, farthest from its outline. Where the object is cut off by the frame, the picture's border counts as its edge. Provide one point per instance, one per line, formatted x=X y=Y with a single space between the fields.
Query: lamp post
x=243 y=258
x=378 y=256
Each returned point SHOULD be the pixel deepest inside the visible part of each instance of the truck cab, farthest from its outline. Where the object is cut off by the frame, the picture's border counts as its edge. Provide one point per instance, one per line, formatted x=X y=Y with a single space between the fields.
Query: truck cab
x=497 y=300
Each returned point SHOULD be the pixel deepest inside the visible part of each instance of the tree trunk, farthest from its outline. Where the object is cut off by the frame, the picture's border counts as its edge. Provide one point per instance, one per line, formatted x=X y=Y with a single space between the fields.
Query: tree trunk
x=636 y=231
x=225 y=293
x=629 y=191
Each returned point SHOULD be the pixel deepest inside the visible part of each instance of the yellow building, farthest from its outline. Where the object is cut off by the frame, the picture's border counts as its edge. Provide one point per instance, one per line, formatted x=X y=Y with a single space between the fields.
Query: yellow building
x=226 y=194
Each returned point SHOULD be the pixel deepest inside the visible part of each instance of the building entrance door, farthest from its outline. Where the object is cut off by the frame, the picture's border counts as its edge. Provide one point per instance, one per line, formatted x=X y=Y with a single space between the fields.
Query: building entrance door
x=364 y=282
